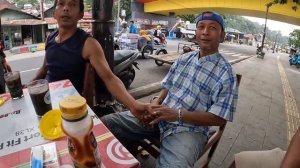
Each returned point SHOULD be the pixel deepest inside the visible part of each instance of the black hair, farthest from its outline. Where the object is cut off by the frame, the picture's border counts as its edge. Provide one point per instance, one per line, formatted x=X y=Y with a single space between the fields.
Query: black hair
x=132 y=21
x=124 y=25
x=81 y=5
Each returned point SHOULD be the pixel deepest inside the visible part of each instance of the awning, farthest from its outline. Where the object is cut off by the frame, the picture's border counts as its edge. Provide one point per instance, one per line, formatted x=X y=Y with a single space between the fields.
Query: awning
x=22 y=22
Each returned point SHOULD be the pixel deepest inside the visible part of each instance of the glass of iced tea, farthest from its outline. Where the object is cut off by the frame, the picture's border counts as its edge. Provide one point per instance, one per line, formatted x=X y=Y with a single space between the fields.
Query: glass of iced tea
x=14 y=85
x=40 y=96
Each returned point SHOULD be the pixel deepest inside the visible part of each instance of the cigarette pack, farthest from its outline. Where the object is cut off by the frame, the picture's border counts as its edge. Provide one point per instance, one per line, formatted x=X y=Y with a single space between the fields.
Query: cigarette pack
x=44 y=156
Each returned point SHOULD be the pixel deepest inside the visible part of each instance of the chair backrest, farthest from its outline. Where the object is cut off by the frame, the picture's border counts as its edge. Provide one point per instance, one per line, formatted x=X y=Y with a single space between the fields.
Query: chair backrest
x=89 y=85
x=94 y=92
x=213 y=141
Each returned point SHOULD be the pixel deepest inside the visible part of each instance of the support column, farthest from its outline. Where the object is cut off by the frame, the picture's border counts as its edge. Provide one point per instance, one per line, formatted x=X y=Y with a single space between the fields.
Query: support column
x=103 y=32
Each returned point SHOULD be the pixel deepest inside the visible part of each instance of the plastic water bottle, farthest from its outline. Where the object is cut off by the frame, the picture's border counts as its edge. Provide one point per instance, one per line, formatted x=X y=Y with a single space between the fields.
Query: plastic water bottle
x=77 y=125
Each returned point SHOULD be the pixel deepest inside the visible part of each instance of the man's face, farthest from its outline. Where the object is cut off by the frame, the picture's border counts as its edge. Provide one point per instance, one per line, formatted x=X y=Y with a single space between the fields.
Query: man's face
x=130 y=23
x=67 y=12
x=209 y=34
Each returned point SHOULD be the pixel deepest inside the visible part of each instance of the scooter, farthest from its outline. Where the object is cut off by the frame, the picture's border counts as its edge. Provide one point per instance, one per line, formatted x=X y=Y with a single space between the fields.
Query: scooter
x=124 y=60
x=260 y=53
x=295 y=60
x=160 y=41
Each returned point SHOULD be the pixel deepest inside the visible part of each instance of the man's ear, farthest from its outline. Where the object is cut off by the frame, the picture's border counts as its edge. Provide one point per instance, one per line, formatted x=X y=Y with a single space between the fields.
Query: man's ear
x=222 y=37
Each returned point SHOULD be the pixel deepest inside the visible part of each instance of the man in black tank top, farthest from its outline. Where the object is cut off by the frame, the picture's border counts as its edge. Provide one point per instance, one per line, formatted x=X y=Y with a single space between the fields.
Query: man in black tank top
x=69 y=48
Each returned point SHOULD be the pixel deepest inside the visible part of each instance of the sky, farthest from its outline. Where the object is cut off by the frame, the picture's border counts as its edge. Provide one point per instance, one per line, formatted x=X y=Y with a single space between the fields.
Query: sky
x=285 y=28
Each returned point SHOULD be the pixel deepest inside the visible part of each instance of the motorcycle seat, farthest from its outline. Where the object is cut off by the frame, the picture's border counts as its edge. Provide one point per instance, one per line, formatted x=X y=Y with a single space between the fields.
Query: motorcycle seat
x=122 y=55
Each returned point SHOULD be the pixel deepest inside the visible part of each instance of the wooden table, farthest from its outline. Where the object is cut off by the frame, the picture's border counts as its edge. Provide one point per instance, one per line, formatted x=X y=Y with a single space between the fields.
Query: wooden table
x=20 y=132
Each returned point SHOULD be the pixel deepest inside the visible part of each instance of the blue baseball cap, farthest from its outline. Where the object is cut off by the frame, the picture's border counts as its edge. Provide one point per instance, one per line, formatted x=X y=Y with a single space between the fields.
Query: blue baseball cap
x=211 y=15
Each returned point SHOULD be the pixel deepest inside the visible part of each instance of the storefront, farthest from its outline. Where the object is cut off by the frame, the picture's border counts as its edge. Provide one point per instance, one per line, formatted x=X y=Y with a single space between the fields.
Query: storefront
x=18 y=28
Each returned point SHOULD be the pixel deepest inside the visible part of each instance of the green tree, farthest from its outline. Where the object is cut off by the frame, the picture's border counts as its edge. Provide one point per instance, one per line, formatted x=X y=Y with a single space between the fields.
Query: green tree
x=190 y=18
x=282 y=2
x=20 y=3
x=88 y=5
x=246 y=26
x=49 y=1
x=126 y=5
x=294 y=39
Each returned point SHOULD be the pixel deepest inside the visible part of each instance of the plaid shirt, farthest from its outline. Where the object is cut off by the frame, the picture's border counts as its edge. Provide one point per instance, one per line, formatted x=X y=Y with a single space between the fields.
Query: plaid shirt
x=207 y=84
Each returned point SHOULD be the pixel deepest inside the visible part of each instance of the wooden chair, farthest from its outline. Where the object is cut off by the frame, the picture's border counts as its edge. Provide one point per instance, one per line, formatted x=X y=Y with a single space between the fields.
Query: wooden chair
x=89 y=85
x=92 y=93
x=152 y=145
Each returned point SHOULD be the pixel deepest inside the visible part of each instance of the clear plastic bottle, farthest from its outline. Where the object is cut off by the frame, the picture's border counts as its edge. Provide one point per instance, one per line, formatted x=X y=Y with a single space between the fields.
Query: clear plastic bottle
x=77 y=125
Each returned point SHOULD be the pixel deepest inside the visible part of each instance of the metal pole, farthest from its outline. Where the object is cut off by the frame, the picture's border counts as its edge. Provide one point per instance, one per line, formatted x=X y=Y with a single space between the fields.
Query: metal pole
x=118 y=15
x=264 y=35
x=103 y=32
x=1 y=38
x=43 y=18
x=275 y=42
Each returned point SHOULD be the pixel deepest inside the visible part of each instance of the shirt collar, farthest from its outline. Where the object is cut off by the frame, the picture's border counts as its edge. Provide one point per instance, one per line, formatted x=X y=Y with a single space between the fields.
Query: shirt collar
x=211 y=57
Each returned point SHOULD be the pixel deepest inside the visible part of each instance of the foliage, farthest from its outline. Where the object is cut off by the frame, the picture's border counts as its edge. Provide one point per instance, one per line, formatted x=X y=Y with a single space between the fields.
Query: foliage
x=126 y=5
x=294 y=39
x=190 y=18
x=49 y=1
x=20 y=3
x=282 y=2
x=246 y=26
x=88 y=5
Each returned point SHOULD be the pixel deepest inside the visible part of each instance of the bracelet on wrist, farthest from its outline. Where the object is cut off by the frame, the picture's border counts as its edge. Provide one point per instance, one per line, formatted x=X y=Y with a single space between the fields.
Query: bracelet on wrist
x=179 y=116
x=160 y=100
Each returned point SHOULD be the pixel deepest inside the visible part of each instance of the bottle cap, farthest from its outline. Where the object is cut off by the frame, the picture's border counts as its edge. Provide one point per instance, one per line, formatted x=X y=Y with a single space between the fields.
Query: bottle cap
x=73 y=107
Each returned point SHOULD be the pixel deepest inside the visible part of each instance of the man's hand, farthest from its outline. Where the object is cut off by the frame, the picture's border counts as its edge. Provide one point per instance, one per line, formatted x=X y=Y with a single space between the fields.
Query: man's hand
x=162 y=113
x=140 y=110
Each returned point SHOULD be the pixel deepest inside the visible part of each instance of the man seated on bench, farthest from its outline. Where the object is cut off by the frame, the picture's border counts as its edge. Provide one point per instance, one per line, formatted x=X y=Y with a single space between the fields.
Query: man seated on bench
x=200 y=90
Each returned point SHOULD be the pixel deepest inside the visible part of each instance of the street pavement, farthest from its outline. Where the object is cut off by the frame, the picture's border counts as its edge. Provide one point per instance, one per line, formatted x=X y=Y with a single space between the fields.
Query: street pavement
x=267 y=112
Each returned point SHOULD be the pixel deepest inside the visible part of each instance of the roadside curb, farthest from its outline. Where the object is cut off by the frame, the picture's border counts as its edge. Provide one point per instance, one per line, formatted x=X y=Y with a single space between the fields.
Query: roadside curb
x=146 y=90
x=152 y=88
x=239 y=60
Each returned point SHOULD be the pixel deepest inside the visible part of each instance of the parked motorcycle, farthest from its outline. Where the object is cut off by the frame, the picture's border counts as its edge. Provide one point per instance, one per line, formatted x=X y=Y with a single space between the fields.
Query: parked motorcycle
x=260 y=53
x=124 y=60
x=295 y=60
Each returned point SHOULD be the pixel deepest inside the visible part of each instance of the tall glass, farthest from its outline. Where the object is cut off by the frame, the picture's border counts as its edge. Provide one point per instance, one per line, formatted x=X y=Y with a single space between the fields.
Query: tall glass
x=14 y=85
x=40 y=96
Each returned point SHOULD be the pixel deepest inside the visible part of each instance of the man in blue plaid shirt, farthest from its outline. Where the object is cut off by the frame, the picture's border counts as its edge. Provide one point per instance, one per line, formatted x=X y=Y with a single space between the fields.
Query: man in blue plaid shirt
x=200 y=90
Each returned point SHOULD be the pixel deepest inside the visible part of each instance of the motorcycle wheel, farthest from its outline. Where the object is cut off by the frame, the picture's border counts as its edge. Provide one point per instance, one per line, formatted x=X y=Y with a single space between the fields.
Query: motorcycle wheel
x=160 y=52
x=128 y=77
x=146 y=50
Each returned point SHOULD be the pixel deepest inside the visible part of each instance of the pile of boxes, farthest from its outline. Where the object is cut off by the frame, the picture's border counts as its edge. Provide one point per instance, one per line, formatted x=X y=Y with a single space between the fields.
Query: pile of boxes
x=128 y=41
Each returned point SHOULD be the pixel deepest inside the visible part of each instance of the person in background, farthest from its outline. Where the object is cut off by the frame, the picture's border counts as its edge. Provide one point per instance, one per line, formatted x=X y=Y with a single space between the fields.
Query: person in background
x=200 y=90
x=124 y=29
x=157 y=32
x=69 y=48
x=144 y=39
x=132 y=27
x=4 y=67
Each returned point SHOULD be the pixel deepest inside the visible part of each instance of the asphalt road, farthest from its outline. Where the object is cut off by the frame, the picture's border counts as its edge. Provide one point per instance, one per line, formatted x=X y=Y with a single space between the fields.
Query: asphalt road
x=149 y=72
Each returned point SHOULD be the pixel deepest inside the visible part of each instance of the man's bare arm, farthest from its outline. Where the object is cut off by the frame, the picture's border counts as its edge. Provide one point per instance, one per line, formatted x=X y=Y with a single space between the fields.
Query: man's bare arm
x=41 y=74
x=160 y=98
x=93 y=51
x=292 y=156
